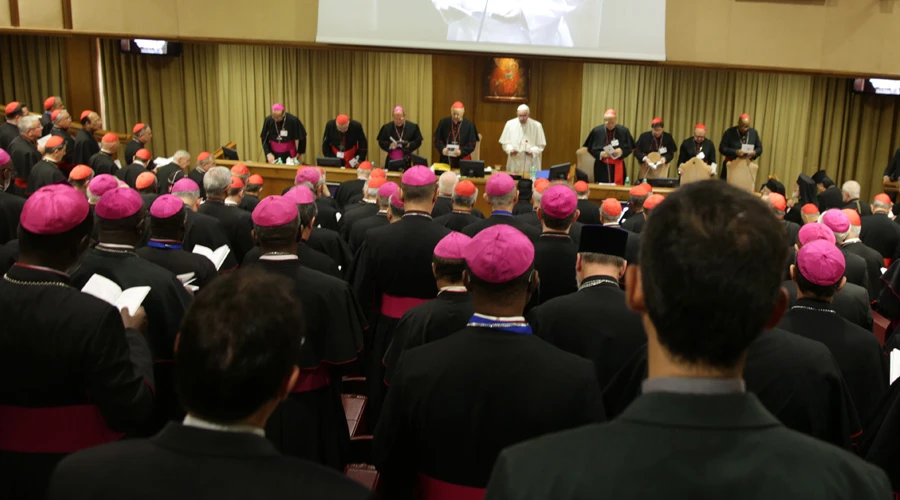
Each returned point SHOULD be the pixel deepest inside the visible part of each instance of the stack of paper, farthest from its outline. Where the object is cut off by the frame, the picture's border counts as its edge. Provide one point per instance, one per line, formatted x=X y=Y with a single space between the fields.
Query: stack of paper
x=895 y=365
x=160 y=161
x=107 y=291
x=186 y=279
x=43 y=140
x=217 y=256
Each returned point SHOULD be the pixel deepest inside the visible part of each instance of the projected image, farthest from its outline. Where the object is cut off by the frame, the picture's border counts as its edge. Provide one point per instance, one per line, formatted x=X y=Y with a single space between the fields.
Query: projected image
x=536 y=22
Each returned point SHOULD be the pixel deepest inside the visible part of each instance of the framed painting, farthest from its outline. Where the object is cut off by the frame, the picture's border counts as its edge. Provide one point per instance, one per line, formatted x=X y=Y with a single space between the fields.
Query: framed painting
x=506 y=79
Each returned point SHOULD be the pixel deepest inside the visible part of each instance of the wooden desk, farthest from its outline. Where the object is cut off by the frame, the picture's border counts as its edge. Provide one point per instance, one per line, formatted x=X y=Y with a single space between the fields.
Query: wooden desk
x=279 y=177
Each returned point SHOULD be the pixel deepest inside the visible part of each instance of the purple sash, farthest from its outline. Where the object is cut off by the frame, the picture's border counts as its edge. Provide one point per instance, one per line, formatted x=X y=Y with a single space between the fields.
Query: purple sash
x=289 y=147
x=395 y=154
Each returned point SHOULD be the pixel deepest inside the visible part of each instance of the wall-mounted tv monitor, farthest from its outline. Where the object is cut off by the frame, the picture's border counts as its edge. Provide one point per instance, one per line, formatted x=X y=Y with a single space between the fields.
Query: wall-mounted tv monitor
x=881 y=86
x=148 y=47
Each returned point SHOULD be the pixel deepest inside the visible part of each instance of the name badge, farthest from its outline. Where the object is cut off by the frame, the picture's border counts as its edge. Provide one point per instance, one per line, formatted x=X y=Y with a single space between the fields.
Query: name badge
x=614 y=143
x=340 y=154
x=702 y=155
x=747 y=148
x=284 y=133
x=609 y=149
x=663 y=150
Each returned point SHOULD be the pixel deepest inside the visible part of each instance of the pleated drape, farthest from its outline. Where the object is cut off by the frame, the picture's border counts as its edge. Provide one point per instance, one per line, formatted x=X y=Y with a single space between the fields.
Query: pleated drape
x=32 y=68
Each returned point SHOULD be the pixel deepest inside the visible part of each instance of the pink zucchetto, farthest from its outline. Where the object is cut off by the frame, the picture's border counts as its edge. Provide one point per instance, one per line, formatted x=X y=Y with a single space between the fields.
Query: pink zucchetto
x=559 y=201
x=102 y=183
x=118 y=204
x=274 y=211
x=452 y=246
x=499 y=184
x=499 y=254
x=821 y=263
x=300 y=195
x=166 y=206
x=307 y=174
x=388 y=189
x=54 y=209
x=418 y=176
x=813 y=232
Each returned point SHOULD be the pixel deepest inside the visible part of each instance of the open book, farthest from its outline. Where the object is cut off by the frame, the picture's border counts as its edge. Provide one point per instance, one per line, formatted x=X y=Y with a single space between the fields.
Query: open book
x=186 y=279
x=107 y=291
x=894 y=366
x=217 y=256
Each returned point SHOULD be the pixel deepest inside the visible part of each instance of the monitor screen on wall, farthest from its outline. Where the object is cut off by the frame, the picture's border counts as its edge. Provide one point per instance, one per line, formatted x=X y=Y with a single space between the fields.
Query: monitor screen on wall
x=609 y=29
x=881 y=86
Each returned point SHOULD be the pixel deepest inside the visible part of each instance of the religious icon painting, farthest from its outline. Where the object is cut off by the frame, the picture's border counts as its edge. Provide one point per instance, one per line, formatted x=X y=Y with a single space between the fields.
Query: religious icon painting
x=506 y=79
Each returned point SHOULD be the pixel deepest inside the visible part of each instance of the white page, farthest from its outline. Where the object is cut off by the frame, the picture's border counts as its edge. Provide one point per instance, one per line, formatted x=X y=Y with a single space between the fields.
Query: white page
x=895 y=365
x=43 y=140
x=102 y=288
x=219 y=256
x=132 y=298
x=118 y=163
x=747 y=148
x=160 y=161
x=186 y=278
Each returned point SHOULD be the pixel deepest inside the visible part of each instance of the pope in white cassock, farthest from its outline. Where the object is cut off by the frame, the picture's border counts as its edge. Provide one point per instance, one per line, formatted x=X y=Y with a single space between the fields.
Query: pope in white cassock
x=523 y=140
x=538 y=22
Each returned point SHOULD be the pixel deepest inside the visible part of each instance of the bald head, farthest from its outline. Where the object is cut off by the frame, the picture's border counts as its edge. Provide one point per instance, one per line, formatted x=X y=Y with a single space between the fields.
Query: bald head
x=744 y=123
x=447 y=183
x=63 y=120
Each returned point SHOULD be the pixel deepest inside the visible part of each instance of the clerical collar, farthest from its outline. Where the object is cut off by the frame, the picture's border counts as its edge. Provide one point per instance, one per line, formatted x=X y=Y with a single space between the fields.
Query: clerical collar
x=506 y=213
x=453 y=289
x=56 y=278
x=49 y=159
x=107 y=153
x=851 y=240
x=813 y=305
x=278 y=256
x=115 y=248
x=417 y=213
x=199 y=423
x=231 y=203
x=611 y=224
x=511 y=324
x=696 y=386
x=598 y=280
x=382 y=212
x=461 y=212
x=165 y=244
x=557 y=235
x=139 y=162
x=370 y=202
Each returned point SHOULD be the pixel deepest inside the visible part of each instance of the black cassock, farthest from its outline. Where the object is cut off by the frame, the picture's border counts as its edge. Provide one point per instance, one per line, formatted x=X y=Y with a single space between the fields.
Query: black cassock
x=72 y=377
x=220 y=464
x=249 y=202
x=352 y=144
x=599 y=138
x=689 y=149
x=131 y=149
x=731 y=143
x=554 y=260
x=273 y=131
x=8 y=132
x=66 y=163
x=593 y=323
x=237 y=224
x=527 y=229
x=44 y=173
x=361 y=228
x=197 y=176
x=201 y=229
x=148 y=199
x=130 y=173
x=795 y=378
x=23 y=155
x=9 y=254
x=471 y=395
x=855 y=270
x=850 y=302
x=456 y=220
x=792 y=231
x=330 y=243
x=313 y=259
x=442 y=206
x=392 y=273
x=881 y=234
x=10 y=213
x=881 y=443
x=353 y=215
x=635 y=223
x=311 y=423
x=171 y=256
x=464 y=134
x=648 y=143
x=102 y=163
x=832 y=197
x=327 y=216
x=85 y=147
x=874 y=263
x=590 y=212
x=408 y=132
x=657 y=448
x=165 y=306
x=857 y=352
x=860 y=207
x=428 y=322
x=350 y=192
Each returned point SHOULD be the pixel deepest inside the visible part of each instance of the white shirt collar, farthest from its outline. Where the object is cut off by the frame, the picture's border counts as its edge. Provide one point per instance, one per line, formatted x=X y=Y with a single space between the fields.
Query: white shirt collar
x=455 y=288
x=192 y=421
x=851 y=240
x=276 y=257
x=232 y=203
x=503 y=319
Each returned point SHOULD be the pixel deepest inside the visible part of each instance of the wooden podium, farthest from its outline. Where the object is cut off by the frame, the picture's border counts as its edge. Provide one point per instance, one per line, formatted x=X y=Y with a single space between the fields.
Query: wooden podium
x=694 y=170
x=661 y=171
x=742 y=174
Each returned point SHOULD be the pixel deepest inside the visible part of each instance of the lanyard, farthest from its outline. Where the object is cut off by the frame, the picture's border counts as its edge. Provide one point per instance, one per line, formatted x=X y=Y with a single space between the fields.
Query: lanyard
x=511 y=325
x=597 y=282
x=278 y=130
x=165 y=245
x=453 y=136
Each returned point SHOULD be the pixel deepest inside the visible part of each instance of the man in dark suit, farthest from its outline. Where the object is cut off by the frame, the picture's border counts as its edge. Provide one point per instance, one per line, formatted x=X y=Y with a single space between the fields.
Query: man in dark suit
x=706 y=290
x=234 y=367
x=501 y=194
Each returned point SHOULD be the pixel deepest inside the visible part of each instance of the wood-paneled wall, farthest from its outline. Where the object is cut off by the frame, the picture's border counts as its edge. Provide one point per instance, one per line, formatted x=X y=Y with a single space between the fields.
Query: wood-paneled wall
x=555 y=101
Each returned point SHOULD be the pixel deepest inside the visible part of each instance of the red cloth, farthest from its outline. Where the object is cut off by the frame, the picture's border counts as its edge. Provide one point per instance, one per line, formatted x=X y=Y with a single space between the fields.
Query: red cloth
x=289 y=147
x=349 y=154
x=311 y=380
x=59 y=429
x=618 y=170
x=395 y=307
x=433 y=489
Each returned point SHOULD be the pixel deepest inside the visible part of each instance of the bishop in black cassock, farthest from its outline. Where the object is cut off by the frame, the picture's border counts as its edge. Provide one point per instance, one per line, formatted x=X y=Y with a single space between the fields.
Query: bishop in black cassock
x=345 y=139
x=85 y=144
x=610 y=144
x=455 y=130
x=400 y=137
x=283 y=135
x=735 y=139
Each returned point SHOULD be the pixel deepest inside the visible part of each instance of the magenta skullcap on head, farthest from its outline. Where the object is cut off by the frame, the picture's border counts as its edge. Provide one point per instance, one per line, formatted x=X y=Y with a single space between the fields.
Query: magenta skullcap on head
x=836 y=220
x=300 y=195
x=118 y=204
x=185 y=185
x=4 y=157
x=307 y=174
x=452 y=246
x=399 y=109
x=274 y=211
x=499 y=184
x=396 y=201
x=278 y=107
x=54 y=209
x=102 y=183
x=815 y=231
x=821 y=263
x=166 y=206
x=499 y=254
x=388 y=189
x=418 y=176
x=559 y=201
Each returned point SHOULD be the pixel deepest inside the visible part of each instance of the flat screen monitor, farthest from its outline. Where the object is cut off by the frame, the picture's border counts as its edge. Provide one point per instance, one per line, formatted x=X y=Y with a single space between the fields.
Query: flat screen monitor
x=398 y=165
x=471 y=168
x=664 y=182
x=148 y=47
x=880 y=86
x=329 y=162
x=418 y=160
x=230 y=153
x=560 y=172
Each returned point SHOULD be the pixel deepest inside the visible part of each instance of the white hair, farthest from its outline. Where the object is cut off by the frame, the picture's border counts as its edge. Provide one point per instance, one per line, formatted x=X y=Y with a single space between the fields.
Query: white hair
x=852 y=189
x=217 y=181
x=447 y=182
x=188 y=197
x=524 y=107
x=27 y=123
x=371 y=192
x=854 y=231
x=465 y=201
x=181 y=154
x=62 y=115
